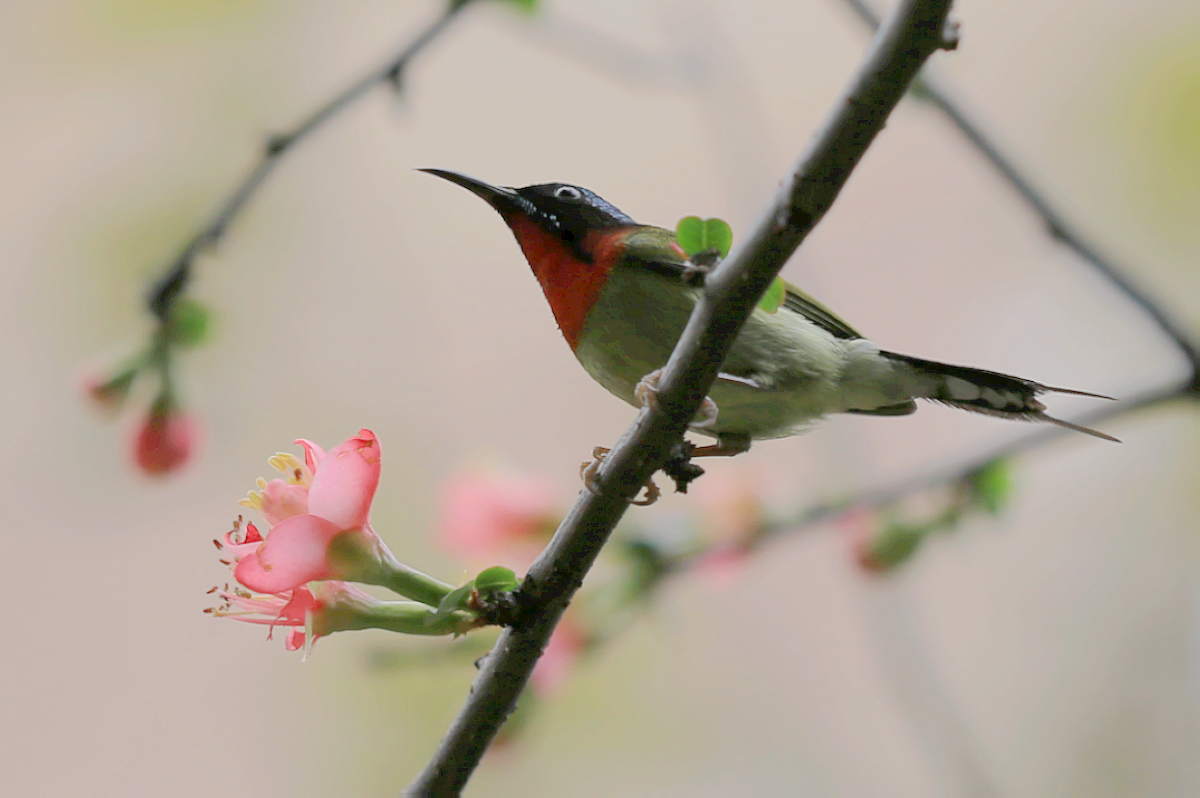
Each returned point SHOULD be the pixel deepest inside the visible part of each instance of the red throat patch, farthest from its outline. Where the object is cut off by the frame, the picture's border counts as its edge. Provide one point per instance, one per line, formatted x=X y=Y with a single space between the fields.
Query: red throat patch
x=571 y=286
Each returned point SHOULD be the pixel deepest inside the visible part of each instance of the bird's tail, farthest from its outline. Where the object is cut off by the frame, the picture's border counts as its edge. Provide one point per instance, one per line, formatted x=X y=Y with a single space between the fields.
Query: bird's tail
x=988 y=392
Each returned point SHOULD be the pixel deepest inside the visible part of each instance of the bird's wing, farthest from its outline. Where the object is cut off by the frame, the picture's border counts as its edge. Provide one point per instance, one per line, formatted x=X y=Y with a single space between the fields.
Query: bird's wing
x=797 y=301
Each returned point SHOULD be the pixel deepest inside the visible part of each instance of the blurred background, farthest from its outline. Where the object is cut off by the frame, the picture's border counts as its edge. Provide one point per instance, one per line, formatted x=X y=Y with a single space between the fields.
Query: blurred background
x=1052 y=651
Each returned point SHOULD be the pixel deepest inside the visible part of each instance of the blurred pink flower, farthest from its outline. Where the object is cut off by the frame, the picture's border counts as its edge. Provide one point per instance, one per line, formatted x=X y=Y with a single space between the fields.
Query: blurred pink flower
x=732 y=507
x=319 y=519
x=165 y=440
x=732 y=516
x=566 y=645
x=485 y=513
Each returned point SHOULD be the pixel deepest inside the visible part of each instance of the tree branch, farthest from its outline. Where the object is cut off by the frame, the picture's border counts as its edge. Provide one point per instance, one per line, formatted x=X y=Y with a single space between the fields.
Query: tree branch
x=1056 y=223
x=911 y=34
x=167 y=290
x=828 y=511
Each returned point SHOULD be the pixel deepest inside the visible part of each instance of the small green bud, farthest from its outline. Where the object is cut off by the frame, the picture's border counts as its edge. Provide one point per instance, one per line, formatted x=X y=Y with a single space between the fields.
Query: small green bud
x=991 y=485
x=892 y=547
x=526 y=6
x=496 y=579
x=189 y=323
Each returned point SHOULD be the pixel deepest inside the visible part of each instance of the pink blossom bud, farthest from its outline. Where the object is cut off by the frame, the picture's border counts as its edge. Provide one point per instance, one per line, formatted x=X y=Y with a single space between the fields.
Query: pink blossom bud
x=164 y=441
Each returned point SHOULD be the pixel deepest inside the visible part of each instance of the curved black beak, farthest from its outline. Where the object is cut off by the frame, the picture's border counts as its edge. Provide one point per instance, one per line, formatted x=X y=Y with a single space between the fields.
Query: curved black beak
x=502 y=199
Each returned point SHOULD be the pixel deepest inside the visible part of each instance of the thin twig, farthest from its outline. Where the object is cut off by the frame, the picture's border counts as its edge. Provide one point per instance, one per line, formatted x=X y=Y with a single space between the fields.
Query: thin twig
x=1043 y=435
x=825 y=512
x=167 y=290
x=1056 y=223
x=913 y=32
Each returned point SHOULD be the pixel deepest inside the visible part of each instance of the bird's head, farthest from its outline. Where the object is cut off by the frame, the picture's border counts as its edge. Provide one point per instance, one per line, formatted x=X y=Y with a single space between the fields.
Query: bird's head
x=570 y=236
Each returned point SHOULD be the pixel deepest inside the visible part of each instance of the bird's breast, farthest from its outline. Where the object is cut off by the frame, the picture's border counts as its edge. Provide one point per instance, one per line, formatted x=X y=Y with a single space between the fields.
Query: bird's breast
x=632 y=327
x=572 y=285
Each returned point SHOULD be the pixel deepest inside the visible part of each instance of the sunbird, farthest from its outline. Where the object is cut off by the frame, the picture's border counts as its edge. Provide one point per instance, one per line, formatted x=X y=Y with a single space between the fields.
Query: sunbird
x=622 y=293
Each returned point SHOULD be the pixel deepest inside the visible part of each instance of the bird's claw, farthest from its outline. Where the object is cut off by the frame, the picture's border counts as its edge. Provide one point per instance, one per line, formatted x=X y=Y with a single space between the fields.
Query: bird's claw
x=646 y=392
x=589 y=472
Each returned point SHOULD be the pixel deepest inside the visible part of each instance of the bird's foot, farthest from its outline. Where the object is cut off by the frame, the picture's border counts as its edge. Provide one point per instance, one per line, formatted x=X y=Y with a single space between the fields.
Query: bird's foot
x=728 y=444
x=683 y=471
x=646 y=392
x=589 y=472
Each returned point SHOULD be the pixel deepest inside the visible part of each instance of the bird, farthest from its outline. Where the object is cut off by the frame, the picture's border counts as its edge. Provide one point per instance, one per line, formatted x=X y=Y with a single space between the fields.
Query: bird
x=622 y=292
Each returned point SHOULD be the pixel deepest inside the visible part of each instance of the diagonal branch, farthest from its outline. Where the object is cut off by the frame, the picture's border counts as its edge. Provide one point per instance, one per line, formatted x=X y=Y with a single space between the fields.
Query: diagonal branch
x=912 y=33
x=825 y=512
x=1056 y=223
x=167 y=290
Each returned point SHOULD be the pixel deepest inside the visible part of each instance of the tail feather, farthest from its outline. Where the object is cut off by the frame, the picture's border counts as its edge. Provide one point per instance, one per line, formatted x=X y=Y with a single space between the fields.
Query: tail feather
x=989 y=392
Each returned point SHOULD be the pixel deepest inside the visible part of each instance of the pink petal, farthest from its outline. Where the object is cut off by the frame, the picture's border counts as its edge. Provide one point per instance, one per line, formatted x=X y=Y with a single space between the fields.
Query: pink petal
x=345 y=481
x=241 y=544
x=313 y=454
x=302 y=602
x=294 y=553
x=281 y=501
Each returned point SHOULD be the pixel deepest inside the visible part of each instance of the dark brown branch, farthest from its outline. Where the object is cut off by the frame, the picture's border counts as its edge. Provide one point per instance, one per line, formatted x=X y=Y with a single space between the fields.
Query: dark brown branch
x=912 y=33
x=1056 y=223
x=167 y=290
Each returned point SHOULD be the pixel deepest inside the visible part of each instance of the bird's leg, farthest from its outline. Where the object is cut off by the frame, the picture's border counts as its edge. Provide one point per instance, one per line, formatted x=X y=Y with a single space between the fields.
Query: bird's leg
x=589 y=472
x=683 y=471
x=646 y=392
x=728 y=444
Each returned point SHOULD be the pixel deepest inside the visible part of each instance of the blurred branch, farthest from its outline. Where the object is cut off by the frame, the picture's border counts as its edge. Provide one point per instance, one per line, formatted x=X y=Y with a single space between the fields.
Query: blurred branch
x=1056 y=223
x=913 y=32
x=167 y=290
x=825 y=512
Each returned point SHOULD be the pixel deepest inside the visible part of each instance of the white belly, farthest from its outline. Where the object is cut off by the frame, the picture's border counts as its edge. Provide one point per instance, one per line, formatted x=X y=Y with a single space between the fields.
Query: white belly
x=796 y=367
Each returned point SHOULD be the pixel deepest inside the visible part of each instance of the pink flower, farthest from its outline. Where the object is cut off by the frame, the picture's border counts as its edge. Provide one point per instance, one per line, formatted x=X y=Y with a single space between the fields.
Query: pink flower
x=566 y=645
x=732 y=517
x=485 y=513
x=310 y=613
x=319 y=520
x=732 y=507
x=165 y=441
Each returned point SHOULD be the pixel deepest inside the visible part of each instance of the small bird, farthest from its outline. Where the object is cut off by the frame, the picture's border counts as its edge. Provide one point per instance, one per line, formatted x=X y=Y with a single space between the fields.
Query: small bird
x=622 y=293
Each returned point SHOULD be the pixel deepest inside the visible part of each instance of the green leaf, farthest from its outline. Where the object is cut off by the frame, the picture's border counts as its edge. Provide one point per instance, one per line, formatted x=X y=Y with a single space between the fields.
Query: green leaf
x=527 y=6
x=455 y=600
x=773 y=299
x=690 y=234
x=991 y=485
x=718 y=236
x=697 y=235
x=496 y=579
x=189 y=323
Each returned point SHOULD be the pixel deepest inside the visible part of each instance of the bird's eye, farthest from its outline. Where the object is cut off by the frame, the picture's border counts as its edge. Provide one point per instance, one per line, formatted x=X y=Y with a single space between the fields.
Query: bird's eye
x=569 y=193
